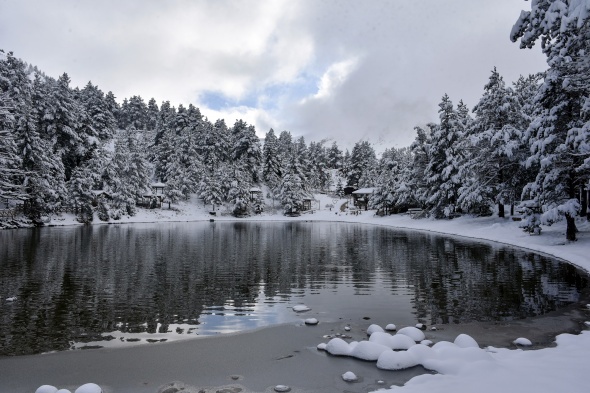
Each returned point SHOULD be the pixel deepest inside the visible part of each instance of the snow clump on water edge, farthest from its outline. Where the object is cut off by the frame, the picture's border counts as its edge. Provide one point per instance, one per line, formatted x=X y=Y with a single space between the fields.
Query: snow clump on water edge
x=86 y=388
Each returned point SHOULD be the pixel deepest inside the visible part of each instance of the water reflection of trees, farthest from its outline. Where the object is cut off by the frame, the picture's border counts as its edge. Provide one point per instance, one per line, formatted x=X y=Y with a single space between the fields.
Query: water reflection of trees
x=73 y=284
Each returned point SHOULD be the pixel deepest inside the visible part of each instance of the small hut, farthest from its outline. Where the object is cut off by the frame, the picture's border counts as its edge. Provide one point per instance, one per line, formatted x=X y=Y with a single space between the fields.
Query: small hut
x=361 y=196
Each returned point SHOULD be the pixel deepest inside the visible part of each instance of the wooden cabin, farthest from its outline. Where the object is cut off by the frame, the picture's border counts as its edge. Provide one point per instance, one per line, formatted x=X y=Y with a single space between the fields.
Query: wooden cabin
x=360 y=197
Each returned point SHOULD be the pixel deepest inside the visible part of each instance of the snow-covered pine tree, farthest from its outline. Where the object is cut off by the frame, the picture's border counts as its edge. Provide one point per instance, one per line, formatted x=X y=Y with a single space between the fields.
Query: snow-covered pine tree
x=246 y=149
x=271 y=165
x=98 y=111
x=44 y=178
x=442 y=172
x=334 y=157
x=363 y=162
x=10 y=162
x=238 y=194
x=291 y=191
x=492 y=160
x=152 y=114
x=211 y=190
x=61 y=121
x=319 y=175
x=560 y=132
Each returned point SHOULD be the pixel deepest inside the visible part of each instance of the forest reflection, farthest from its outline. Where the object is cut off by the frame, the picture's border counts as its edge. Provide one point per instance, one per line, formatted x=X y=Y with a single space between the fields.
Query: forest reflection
x=79 y=284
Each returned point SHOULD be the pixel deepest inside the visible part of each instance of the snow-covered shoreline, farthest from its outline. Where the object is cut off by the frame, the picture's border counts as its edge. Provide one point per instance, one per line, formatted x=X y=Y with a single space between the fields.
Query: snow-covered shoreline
x=544 y=370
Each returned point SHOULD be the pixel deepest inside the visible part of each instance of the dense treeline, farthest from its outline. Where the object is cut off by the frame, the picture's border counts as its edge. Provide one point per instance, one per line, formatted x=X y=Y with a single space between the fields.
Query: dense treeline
x=527 y=142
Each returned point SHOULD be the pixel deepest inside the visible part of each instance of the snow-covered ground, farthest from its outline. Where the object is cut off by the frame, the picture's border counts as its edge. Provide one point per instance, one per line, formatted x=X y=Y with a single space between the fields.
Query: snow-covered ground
x=561 y=368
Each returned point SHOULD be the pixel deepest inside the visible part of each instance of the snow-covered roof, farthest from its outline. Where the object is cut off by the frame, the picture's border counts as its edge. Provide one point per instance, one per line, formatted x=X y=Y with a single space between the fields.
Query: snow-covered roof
x=367 y=190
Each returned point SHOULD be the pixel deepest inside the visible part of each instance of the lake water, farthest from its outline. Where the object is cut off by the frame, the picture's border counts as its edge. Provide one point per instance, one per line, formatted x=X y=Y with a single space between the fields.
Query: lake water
x=119 y=285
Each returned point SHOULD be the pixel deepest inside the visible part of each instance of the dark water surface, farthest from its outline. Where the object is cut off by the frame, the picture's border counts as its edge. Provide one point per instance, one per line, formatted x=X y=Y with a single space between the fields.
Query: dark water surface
x=117 y=285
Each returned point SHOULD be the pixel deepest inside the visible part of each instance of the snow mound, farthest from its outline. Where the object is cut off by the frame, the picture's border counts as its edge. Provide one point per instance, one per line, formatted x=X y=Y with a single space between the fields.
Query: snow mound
x=426 y=342
x=349 y=376
x=414 y=333
x=374 y=328
x=451 y=359
x=422 y=353
x=89 y=388
x=443 y=344
x=46 y=389
x=465 y=341
x=321 y=346
x=338 y=347
x=367 y=350
x=311 y=321
x=301 y=308
x=63 y=391
x=525 y=342
x=394 y=360
x=391 y=327
x=399 y=341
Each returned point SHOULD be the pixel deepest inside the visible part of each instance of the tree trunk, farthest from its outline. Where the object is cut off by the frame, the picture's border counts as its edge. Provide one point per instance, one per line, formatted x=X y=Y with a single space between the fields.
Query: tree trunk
x=584 y=201
x=570 y=232
x=501 y=210
x=512 y=209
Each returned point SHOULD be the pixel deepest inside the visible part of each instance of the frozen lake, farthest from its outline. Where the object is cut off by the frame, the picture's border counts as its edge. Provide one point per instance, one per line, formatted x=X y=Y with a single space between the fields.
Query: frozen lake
x=122 y=285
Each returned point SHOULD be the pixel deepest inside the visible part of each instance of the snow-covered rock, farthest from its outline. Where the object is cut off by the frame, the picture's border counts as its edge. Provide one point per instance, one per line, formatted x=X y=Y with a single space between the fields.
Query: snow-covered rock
x=347 y=328
x=282 y=388
x=89 y=388
x=396 y=360
x=63 y=391
x=426 y=342
x=311 y=321
x=414 y=333
x=11 y=299
x=374 y=328
x=399 y=341
x=451 y=359
x=443 y=344
x=367 y=350
x=349 y=376
x=422 y=352
x=301 y=308
x=46 y=389
x=391 y=327
x=421 y=326
x=524 y=342
x=465 y=341
x=321 y=346
x=338 y=347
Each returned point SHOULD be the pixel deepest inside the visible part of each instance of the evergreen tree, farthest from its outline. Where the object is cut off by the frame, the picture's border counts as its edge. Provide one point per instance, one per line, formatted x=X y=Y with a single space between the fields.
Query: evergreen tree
x=239 y=196
x=152 y=115
x=98 y=110
x=291 y=191
x=246 y=149
x=10 y=162
x=334 y=157
x=493 y=162
x=560 y=132
x=362 y=163
x=442 y=172
x=271 y=165
x=44 y=178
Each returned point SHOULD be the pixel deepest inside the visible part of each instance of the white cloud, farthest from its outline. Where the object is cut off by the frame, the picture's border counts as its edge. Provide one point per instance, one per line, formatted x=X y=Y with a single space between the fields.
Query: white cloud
x=380 y=66
x=334 y=77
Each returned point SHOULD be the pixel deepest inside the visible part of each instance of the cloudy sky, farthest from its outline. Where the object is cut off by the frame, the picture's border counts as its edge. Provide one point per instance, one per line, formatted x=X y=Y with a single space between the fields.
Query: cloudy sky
x=339 y=70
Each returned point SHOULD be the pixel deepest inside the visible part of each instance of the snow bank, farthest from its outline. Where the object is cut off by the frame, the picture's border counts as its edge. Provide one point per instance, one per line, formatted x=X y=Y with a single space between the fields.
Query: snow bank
x=414 y=333
x=398 y=341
